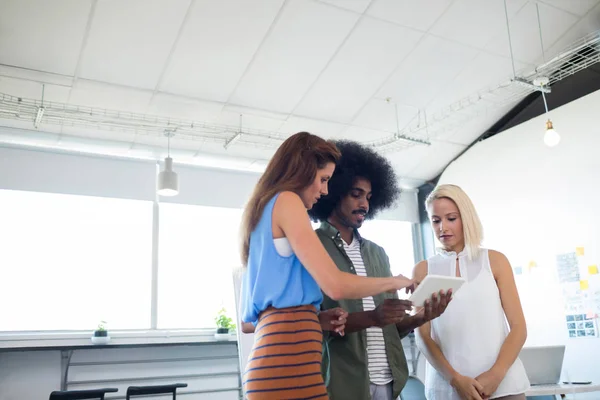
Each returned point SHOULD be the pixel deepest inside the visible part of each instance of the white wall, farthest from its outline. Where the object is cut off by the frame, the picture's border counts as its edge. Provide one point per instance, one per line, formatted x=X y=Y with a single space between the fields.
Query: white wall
x=29 y=375
x=536 y=202
x=206 y=367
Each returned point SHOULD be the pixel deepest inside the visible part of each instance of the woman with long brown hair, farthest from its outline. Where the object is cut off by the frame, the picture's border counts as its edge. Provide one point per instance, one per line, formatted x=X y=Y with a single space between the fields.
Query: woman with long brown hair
x=287 y=267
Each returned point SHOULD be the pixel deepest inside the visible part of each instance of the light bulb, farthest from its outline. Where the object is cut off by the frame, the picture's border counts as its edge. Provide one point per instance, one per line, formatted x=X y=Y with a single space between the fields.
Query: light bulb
x=551 y=137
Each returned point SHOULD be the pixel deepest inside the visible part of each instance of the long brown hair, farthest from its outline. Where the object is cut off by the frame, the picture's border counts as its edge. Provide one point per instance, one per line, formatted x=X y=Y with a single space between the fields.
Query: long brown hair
x=292 y=168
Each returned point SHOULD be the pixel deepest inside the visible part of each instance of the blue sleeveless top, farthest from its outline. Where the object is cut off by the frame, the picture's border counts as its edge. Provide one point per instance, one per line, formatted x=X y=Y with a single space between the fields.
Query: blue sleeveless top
x=271 y=279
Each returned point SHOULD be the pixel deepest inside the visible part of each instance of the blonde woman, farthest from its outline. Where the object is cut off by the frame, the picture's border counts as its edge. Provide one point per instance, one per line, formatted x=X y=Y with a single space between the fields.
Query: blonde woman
x=472 y=349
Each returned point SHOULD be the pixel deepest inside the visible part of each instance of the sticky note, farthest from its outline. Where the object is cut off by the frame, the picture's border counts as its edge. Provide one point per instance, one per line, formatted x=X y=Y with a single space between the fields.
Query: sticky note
x=590 y=314
x=593 y=269
x=532 y=264
x=518 y=270
x=579 y=251
x=584 y=285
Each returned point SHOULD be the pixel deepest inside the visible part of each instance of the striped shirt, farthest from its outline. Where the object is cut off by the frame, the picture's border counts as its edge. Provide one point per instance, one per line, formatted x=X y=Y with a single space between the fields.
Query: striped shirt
x=379 y=368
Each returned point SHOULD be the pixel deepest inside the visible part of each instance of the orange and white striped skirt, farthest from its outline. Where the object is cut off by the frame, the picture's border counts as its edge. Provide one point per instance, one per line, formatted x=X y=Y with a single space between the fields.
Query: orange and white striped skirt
x=285 y=361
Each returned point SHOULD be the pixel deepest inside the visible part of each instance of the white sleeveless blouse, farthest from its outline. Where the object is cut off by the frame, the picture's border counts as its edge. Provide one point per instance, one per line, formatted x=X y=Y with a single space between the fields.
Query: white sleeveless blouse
x=473 y=328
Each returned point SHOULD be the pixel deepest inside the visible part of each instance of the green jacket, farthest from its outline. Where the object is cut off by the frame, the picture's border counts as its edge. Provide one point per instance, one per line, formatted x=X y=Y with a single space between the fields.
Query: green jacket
x=347 y=358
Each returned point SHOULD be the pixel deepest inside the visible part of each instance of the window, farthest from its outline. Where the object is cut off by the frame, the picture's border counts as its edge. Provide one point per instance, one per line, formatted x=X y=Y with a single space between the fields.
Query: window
x=198 y=252
x=68 y=262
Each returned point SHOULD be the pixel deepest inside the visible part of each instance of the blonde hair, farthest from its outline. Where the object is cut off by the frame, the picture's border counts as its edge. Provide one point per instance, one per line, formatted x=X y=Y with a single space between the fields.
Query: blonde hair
x=472 y=228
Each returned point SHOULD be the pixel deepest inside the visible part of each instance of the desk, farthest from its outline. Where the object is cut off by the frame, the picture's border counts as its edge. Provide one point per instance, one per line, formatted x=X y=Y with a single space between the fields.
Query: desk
x=561 y=389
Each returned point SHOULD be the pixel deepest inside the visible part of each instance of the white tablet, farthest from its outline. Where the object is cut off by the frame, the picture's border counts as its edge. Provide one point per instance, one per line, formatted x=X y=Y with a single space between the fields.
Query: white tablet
x=433 y=284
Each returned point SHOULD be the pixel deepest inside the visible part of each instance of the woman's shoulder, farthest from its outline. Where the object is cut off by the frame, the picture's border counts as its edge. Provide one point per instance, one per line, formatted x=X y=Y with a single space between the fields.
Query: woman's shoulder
x=287 y=198
x=495 y=256
x=499 y=263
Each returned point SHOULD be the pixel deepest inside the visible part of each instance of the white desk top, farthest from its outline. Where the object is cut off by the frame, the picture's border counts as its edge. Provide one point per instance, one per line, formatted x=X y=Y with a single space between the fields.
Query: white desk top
x=540 y=390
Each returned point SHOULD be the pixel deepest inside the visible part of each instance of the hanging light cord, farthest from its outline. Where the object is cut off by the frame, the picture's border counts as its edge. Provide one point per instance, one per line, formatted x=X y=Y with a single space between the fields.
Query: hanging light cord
x=537 y=8
x=510 y=41
x=544 y=97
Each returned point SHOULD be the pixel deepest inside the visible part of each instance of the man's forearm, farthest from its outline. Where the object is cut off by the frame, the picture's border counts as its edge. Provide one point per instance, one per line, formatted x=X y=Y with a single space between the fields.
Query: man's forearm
x=358 y=321
x=407 y=325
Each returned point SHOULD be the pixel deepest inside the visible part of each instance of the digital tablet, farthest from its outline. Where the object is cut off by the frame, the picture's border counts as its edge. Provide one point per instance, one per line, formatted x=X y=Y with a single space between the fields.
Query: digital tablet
x=433 y=284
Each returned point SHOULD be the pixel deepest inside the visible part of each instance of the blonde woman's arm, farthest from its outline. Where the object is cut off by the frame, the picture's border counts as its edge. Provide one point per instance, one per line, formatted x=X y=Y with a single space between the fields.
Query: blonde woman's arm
x=509 y=296
x=290 y=220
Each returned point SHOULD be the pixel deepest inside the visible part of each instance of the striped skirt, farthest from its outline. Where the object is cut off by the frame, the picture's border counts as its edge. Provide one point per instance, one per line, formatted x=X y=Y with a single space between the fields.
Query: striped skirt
x=285 y=362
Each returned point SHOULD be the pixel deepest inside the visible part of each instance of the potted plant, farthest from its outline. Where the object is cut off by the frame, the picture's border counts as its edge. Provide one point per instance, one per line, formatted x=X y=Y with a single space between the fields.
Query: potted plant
x=224 y=324
x=101 y=334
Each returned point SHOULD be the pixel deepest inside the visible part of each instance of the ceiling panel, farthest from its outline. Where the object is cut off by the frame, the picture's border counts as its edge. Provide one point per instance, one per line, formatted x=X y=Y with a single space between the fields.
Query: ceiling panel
x=216 y=46
x=299 y=46
x=381 y=115
x=93 y=94
x=435 y=160
x=404 y=161
x=486 y=70
x=475 y=22
x=43 y=35
x=358 y=6
x=524 y=31
x=33 y=90
x=362 y=134
x=366 y=60
x=420 y=78
x=413 y=14
x=577 y=7
x=473 y=127
x=249 y=121
x=184 y=108
x=129 y=41
x=322 y=128
x=586 y=25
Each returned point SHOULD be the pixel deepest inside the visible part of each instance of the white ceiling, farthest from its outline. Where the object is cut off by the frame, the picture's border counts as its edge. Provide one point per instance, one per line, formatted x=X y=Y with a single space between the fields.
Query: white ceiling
x=286 y=65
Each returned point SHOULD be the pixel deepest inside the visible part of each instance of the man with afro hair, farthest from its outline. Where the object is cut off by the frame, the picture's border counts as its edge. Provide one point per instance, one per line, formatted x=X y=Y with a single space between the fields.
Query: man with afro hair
x=368 y=362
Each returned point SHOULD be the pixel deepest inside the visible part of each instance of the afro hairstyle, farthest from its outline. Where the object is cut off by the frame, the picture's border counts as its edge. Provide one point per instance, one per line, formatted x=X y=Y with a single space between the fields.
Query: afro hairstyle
x=358 y=161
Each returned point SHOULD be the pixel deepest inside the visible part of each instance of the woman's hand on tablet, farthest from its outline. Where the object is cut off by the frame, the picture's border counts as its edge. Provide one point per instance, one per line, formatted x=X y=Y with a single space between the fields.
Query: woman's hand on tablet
x=402 y=282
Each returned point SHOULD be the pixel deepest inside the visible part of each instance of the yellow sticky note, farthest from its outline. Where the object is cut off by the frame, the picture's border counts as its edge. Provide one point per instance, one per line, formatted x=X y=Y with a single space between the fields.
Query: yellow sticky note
x=532 y=264
x=593 y=269
x=584 y=285
x=579 y=251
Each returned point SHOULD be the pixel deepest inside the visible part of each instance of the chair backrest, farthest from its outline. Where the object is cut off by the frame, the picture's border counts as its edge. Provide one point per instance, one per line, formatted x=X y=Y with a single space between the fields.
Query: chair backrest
x=156 y=389
x=81 y=394
x=413 y=390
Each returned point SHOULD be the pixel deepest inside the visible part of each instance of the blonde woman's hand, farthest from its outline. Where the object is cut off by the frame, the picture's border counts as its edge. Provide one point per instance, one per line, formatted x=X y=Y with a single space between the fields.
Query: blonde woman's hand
x=490 y=380
x=467 y=388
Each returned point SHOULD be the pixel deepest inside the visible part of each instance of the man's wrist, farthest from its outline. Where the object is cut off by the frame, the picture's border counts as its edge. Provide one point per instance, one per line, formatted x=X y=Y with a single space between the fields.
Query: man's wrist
x=372 y=318
x=408 y=324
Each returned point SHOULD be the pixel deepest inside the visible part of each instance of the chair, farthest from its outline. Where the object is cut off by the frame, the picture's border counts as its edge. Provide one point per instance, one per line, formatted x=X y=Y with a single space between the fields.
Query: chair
x=157 y=389
x=81 y=394
x=413 y=390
